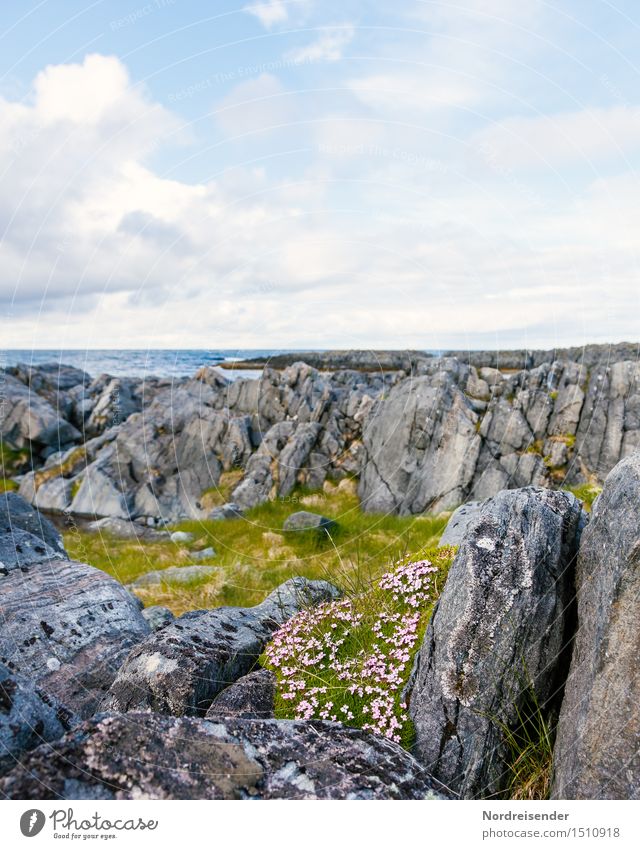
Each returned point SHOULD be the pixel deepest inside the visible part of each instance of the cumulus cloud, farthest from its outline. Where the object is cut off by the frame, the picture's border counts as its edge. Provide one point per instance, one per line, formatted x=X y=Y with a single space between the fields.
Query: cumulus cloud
x=327 y=47
x=269 y=13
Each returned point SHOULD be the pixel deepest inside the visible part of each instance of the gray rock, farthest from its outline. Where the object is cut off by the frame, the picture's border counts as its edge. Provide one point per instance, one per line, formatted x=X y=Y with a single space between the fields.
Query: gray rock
x=29 y=420
x=20 y=549
x=136 y=757
x=28 y=717
x=499 y=632
x=67 y=627
x=226 y=511
x=251 y=697
x=181 y=669
x=303 y=520
x=182 y=536
x=203 y=554
x=157 y=616
x=16 y=513
x=176 y=575
x=459 y=522
x=125 y=529
x=596 y=754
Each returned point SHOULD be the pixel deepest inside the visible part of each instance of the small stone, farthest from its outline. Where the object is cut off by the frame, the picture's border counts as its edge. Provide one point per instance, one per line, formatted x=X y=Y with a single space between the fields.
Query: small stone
x=303 y=520
x=182 y=537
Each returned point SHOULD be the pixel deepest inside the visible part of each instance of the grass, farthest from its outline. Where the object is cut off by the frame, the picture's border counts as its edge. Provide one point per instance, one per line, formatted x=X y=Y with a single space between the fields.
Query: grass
x=12 y=461
x=350 y=659
x=215 y=496
x=585 y=492
x=254 y=555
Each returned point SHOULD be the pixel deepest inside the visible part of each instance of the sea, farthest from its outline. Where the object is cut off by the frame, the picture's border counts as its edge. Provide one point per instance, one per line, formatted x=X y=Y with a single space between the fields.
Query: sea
x=140 y=363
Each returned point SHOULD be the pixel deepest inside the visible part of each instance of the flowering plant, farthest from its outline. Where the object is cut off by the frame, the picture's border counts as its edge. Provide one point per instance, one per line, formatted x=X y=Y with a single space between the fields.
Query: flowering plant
x=349 y=660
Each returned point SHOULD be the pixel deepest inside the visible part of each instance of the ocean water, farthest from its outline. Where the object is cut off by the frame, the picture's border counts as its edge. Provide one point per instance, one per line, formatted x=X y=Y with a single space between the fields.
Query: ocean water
x=138 y=363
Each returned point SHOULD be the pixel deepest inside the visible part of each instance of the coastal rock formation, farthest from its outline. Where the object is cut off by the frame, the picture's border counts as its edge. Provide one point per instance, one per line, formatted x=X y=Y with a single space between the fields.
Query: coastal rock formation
x=135 y=757
x=28 y=717
x=65 y=625
x=596 y=753
x=499 y=634
x=180 y=669
x=16 y=514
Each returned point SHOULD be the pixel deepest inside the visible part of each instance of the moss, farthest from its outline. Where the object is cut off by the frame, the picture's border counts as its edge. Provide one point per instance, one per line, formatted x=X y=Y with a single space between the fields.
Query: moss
x=553 y=395
x=12 y=460
x=75 y=488
x=535 y=447
x=64 y=469
x=7 y=485
x=586 y=492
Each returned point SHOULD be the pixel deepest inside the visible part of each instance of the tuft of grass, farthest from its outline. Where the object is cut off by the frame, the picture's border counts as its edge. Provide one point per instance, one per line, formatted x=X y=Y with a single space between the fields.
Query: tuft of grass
x=350 y=659
x=586 y=492
x=255 y=556
x=12 y=461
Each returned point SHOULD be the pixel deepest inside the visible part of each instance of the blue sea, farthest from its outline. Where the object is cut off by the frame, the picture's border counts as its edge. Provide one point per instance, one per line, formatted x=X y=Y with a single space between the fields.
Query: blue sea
x=138 y=363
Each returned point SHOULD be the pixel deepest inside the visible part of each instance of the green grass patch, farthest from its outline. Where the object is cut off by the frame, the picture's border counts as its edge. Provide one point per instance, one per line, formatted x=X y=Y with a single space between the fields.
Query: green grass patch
x=586 y=492
x=349 y=660
x=12 y=461
x=256 y=556
x=7 y=485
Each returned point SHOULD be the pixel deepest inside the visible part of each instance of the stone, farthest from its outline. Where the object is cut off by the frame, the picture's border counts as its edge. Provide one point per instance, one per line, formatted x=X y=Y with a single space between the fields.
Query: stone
x=136 y=757
x=157 y=616
x=226 y=511
x=460 y=520
x=251 y=697
x=499 y=633
x=203 y=554
x=28 y=717
x=67 y=627
x=27 y=420
x=182 y=537
x=596 y=753
x=304 y=520
x=176 y=576
x=181 y=669
x=125 y=529
x=20 y=549
x=15 y=512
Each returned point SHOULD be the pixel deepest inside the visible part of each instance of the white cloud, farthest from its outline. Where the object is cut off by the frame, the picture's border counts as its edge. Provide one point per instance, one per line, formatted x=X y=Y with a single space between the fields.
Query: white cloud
x=254 y=105
x=327 y=47
x=269 y=13
x=548 y=141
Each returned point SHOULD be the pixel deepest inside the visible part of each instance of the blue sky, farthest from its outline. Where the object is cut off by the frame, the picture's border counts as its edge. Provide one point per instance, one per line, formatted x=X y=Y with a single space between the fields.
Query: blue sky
x=317 y=174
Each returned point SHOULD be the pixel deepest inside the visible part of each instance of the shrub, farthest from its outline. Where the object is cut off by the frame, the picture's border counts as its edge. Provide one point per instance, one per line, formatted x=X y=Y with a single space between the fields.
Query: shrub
x=349 y=660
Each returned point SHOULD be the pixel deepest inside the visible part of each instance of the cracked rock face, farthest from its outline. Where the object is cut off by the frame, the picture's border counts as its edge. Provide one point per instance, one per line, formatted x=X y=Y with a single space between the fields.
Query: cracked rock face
x=596 y=754
x=500 y=628
x=28 y=717
x=251 y=697
x=148 y=756
x=180 y=669
x=67 y=627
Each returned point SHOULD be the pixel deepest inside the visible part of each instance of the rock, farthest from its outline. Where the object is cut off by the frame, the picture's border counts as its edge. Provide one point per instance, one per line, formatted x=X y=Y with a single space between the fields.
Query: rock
x=499 y=632
x=125 y=529
x=146 y=756
x=20 y=549
x=15 y=512
x=67 y=627
x=182 y=537
x=28 y=717
x=176 y=575
x=157 y=616
x=251 y=697
x=596 y=754
x=226 y=511
x=460 y=520
x=181 y=669
x=98 y=495
x=203 y=554
x=303 y=520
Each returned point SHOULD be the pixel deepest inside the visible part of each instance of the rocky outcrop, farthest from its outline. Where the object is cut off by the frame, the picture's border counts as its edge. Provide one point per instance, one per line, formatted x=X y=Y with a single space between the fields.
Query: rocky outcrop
x=596 y=754
x=28 y=717
x=65 y=625
x=16 y=514
x=136 y=757
x=499 y=634
x=251 y=697
x=181 y=669
x=460 y=520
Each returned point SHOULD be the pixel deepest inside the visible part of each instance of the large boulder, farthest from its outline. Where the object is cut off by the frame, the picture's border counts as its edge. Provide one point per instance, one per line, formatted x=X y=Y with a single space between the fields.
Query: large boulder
x=459 y=521
x=596 y=754
x=17 y=514
x=146 y=756
x=180 y=669
x=67 y=627
x=498 y=636
x=28 y=717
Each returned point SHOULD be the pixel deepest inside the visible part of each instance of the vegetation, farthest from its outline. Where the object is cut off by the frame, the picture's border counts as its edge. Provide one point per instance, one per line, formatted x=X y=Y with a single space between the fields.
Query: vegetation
x=254 y=555
x=586 y=492
x=349 y=660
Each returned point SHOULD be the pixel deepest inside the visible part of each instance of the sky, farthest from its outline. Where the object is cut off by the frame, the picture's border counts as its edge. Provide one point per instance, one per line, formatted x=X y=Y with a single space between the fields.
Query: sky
x=307 y=174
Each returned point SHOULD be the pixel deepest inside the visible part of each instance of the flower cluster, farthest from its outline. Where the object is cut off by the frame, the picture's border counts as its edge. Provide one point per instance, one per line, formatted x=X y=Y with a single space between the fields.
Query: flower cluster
x=349 y=660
